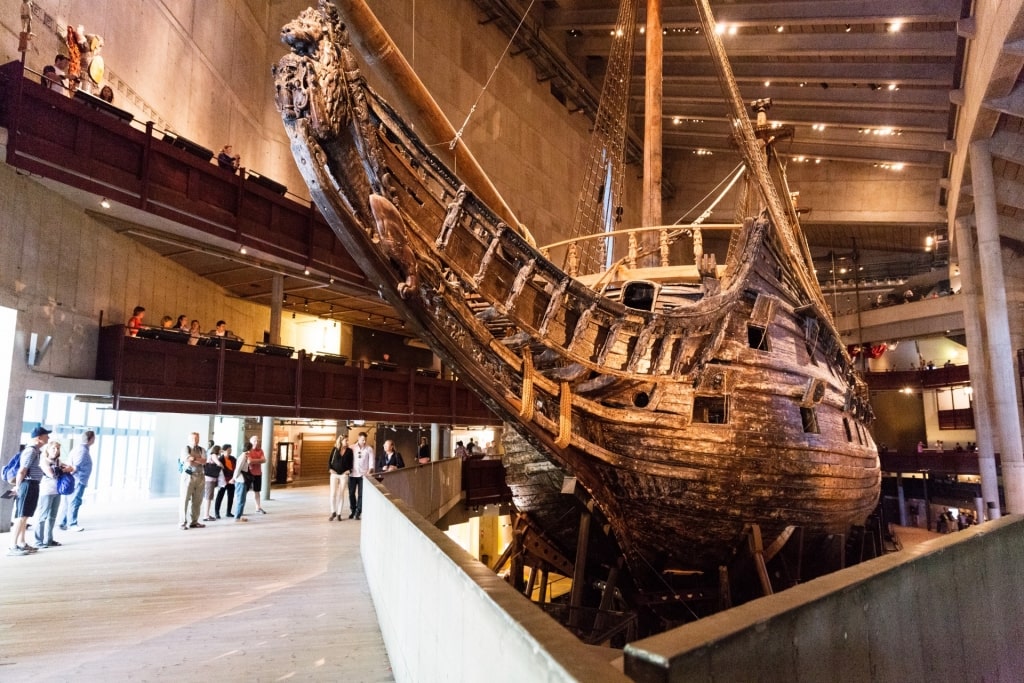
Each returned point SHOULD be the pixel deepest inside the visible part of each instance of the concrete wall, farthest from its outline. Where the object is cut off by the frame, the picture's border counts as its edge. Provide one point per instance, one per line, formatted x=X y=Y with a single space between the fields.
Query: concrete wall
x=431 y=490
x=948 y=610
x=446 y=617
x=61 y=270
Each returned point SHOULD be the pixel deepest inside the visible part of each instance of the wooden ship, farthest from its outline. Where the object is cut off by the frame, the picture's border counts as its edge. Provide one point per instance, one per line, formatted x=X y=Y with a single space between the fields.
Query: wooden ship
x=693 y=402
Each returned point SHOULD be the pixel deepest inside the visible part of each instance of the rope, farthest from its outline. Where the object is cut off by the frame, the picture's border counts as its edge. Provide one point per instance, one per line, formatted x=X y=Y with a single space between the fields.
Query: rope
x=737 y=171
x=564 y=416
x=527 y=405
x=458 y=133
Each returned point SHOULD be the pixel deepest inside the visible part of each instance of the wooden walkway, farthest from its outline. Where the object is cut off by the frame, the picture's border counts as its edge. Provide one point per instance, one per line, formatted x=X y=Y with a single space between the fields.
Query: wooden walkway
x=135 y=598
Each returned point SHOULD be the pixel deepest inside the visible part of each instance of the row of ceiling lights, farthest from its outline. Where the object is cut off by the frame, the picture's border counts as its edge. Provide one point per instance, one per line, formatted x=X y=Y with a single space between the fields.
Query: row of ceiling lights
x=721 y=28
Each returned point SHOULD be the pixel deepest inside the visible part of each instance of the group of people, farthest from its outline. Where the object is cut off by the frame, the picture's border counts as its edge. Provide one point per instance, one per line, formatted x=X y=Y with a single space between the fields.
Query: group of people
x=351 y=463
x=209 y=475
x=36 y=490
x=56 y=77
x=192 y=328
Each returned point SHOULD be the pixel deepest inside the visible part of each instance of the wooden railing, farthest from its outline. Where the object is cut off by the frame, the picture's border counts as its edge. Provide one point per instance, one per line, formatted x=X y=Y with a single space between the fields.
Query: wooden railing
x=939 y=462
x=86 y=147
x=163 y=376
x=953 y=375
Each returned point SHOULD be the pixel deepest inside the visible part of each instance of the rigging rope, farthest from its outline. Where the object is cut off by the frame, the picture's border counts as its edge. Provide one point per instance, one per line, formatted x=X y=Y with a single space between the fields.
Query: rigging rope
x=601 y=193
x=472 y=110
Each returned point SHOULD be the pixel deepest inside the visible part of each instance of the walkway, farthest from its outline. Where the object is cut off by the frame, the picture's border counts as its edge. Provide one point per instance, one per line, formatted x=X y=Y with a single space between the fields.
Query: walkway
x=134 y=598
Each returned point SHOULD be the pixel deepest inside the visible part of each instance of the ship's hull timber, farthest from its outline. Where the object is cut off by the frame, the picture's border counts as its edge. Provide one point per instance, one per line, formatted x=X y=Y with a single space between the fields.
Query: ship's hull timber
x=686 y=423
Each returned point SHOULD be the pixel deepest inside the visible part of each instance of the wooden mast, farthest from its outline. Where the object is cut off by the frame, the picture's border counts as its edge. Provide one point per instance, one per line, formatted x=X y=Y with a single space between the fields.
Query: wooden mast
x=653 y=94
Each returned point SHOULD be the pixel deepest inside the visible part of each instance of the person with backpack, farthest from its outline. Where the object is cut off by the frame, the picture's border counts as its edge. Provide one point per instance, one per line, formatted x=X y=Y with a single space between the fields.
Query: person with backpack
x=26 y=484
x=81 y=467
x=49 y=497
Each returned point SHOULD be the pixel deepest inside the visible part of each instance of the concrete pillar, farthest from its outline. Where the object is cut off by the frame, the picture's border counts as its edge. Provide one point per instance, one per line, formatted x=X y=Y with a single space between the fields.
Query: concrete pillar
x=970 y=294
x=997 y=329
x=276 y=305
x=270 y=449
x=435 y=442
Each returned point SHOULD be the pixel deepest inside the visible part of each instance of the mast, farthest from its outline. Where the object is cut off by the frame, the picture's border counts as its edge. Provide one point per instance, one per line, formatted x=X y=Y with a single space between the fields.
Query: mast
x=653 y=96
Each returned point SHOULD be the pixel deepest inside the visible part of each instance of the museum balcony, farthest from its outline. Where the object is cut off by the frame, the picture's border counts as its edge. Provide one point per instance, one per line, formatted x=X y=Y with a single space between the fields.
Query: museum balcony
x=153 y=372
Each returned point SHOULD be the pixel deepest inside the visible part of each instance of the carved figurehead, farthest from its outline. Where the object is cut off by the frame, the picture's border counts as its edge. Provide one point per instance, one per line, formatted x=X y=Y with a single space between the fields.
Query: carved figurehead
x=309 y=81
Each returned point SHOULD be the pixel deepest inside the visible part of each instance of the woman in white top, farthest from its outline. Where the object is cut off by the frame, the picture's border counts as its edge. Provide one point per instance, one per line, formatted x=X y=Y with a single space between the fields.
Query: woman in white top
x=49 y=499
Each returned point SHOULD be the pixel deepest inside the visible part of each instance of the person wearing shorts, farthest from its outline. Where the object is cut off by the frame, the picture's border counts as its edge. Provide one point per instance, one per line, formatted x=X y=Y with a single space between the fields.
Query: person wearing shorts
x=30 y=471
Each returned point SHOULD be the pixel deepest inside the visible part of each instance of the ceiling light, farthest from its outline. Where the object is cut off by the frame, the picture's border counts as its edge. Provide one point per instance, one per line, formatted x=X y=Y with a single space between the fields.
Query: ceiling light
x=676 y=120
x=241 y=250
x=306 y=271
x=767 y=83
x=733 y=29
x=105 y=203
x=780 y=29
x=332 y=280
x=895 y=27
x=893 y=87
x=818 y=127
x=848 y=28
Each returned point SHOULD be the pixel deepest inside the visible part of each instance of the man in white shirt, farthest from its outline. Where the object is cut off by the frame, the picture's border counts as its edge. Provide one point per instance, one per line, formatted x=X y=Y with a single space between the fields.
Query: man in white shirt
x=362 y=464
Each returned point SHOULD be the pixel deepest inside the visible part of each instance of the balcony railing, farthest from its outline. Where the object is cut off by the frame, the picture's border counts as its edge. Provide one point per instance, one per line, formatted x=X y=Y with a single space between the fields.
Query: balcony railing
x=164 y=376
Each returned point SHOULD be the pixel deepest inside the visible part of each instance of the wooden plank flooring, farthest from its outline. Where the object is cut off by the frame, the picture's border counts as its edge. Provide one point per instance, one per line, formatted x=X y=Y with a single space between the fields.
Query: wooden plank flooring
x=135 y=598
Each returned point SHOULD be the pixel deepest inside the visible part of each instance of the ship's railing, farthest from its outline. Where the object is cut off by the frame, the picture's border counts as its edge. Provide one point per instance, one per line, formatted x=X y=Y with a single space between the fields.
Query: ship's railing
x=631 y=251
x=165 y=376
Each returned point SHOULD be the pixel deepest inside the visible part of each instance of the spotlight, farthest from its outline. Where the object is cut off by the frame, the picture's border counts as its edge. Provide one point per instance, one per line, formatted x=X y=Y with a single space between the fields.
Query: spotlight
x=306 y=271
x=105 y=203
x=241 y=250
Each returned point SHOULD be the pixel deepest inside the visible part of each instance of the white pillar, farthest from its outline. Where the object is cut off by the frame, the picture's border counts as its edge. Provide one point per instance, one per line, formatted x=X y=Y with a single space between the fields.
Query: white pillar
x=270 y=450
x=970 y=296
x=997 y=328
x=435 y=442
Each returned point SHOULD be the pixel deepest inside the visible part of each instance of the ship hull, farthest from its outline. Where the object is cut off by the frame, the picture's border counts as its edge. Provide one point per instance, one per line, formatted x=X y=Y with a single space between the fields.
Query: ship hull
x=684 y=425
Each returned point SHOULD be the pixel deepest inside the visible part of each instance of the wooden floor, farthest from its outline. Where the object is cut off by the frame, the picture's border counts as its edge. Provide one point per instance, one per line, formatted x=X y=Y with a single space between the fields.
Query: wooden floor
x=135 y=598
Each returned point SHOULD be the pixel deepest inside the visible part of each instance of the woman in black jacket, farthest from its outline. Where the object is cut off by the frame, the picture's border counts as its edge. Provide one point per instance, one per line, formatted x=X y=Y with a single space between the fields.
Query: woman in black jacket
x=340 y=466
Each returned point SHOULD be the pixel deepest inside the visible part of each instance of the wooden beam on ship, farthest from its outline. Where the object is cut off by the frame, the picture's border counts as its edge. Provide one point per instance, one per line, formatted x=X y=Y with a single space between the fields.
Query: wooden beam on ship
x=757 y=551
x=576 y=599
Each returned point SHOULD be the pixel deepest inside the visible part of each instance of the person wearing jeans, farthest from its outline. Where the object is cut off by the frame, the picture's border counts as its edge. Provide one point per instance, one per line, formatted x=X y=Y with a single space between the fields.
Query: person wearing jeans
x=239 y=480
x=362 y=464
x=81 y=467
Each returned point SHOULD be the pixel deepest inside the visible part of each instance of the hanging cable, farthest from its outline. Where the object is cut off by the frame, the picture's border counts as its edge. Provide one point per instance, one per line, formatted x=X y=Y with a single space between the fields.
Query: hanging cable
x=458 y=133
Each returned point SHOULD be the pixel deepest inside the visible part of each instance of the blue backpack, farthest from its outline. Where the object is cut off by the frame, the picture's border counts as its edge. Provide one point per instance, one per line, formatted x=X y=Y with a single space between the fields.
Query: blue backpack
x=11 y=468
